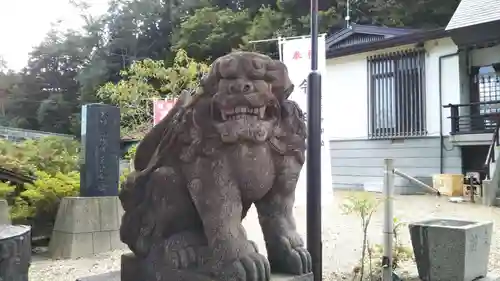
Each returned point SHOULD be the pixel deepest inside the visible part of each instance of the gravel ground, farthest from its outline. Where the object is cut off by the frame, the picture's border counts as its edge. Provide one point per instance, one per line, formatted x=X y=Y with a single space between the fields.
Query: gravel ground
x=342 y=237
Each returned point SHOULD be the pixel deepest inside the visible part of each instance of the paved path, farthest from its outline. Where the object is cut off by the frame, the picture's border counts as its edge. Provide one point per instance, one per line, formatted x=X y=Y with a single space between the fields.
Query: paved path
x=342 y=236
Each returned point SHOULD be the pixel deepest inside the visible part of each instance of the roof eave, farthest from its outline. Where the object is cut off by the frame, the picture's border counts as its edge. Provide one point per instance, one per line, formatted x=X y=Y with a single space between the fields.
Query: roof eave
x=388 y=43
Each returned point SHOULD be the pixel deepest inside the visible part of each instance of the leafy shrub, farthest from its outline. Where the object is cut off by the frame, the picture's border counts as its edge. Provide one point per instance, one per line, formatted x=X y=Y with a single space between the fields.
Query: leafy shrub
x=50 y=154
x=131 y=152
x=54 y=162
x=369 y=268
x=44 y=195
x=6 y=188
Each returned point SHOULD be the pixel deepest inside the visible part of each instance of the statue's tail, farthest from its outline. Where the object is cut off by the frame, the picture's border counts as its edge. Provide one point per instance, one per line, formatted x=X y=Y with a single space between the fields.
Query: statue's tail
x=135 y=195
x=147 y=147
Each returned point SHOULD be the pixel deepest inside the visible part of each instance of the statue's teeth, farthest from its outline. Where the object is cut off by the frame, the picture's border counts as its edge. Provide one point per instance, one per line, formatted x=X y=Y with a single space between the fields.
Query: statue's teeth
x=262 y=111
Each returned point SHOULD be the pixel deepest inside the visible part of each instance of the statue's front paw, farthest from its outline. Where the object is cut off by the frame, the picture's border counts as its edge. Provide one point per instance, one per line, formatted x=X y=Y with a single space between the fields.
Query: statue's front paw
x=252 y=267
x=185 y=250
x=288 y=255
x=183 y=258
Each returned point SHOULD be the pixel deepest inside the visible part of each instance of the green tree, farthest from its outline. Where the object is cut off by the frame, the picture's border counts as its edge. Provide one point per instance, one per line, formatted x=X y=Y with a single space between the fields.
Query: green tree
x=48 y=85
x=210 y=32
x=417 y=14
x=147 y=80
x=275 y=22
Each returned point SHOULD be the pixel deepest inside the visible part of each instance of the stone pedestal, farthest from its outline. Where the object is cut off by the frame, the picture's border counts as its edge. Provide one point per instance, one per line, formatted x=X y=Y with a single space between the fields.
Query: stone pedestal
x=131 y=271
x=15 y=252
x=4 y=213
x=116 y=276
x=86 y=226
x=451 y=250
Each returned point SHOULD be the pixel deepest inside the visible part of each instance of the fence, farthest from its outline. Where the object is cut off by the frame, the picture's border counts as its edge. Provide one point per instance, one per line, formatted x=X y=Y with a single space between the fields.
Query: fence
x=389 y=173
x=21 y=134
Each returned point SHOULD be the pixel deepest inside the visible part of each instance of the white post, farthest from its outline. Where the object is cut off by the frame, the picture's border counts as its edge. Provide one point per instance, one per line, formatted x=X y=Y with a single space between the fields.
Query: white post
x=280 y=48
x=388 y=219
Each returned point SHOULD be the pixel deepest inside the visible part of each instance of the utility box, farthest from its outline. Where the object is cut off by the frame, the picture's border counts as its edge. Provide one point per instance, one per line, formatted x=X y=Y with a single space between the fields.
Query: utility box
x=449 y=184
x=451 y=250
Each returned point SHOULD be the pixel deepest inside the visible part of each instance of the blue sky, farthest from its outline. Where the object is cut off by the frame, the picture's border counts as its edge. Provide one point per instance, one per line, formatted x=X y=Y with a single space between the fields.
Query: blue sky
x=24 y=23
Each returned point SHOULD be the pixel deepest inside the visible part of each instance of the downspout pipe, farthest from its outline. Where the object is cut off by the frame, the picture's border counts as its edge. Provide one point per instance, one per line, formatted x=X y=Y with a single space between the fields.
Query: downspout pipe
x=440 y=82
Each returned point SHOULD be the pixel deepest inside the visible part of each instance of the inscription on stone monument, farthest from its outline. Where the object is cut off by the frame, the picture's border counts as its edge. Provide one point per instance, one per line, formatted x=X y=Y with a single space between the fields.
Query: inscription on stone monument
x=101 y=150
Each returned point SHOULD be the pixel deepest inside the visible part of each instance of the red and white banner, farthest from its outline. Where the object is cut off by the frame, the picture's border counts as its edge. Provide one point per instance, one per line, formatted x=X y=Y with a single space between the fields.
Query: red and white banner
x=161 y=109
x=296 y=55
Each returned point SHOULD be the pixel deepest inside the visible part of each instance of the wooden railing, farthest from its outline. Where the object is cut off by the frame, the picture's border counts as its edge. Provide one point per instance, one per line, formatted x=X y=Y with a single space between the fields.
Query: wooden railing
x=474 y=118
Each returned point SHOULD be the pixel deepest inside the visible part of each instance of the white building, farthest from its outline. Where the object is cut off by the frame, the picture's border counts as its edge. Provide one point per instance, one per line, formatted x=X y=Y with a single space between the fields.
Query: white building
x=387 y=88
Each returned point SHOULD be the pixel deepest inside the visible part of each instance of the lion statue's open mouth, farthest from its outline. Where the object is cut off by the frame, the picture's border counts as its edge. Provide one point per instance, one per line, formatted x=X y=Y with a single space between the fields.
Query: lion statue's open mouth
x=265 y=113
x=245 y=122
x=243 y=112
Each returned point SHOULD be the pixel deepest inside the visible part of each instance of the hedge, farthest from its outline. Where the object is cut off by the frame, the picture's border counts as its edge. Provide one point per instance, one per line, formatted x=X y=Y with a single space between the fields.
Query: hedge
x=54 y=162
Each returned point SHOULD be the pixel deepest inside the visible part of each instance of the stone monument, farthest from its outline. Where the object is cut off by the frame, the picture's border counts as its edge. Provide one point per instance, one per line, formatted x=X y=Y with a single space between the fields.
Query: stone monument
x=90 y=224
x=100 y=131
x=238 y=141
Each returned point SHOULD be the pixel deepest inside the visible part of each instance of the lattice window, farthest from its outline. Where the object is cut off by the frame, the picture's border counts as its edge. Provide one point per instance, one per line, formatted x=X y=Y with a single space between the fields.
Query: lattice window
x=396 y=89
x=488 y=82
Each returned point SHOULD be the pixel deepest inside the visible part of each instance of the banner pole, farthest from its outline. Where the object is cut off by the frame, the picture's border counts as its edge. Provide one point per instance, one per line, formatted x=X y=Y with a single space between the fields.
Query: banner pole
x=280 y=48
x=314 y=236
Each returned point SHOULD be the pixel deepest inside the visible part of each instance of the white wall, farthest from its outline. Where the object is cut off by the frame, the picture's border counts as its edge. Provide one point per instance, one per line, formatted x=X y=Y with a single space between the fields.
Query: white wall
x=486 y=56
x=346 y=81
x=450 y=83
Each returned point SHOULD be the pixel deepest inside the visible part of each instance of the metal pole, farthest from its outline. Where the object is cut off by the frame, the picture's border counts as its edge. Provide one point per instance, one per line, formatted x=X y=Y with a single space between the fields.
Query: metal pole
x=280 y=48
x=388 y=219
x=314 y=243
x=412 y=179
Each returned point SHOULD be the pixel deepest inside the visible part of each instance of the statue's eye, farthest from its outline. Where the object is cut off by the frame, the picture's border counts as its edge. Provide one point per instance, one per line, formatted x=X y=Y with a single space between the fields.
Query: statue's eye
x=271 y=76
x=258 y=64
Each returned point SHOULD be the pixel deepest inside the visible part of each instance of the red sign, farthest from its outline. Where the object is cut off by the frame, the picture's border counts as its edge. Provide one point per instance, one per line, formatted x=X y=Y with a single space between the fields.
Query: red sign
x=298 y=55
x=161 y=109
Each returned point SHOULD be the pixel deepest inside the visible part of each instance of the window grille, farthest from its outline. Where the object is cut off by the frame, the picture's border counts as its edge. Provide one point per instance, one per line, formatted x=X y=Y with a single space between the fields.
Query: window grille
x=396 y=91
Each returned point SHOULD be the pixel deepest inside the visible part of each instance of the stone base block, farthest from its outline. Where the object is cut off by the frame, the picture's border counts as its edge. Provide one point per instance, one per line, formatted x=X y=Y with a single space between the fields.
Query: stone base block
x=111 y=276
x=116 y=276
x=489 y=277
x=86 y=226
x=131 y=271
x=4 y=212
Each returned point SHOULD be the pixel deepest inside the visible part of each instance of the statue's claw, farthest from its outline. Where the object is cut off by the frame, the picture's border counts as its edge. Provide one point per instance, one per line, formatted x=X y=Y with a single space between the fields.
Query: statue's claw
x=290 y=256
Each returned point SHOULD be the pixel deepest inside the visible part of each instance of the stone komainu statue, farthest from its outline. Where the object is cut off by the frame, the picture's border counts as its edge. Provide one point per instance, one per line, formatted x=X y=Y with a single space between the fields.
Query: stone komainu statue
x=237 y=142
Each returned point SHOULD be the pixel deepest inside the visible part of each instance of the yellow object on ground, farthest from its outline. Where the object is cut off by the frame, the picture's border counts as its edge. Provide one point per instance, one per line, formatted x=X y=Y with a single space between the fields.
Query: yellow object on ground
x=449 y=184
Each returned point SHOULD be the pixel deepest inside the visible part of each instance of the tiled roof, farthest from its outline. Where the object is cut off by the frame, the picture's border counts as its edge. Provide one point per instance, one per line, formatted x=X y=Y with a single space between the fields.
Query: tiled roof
x=473 y=12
